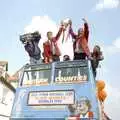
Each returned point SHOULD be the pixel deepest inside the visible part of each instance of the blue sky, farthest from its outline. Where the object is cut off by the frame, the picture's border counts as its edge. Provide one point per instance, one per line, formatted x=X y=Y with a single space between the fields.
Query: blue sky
x=103 y=17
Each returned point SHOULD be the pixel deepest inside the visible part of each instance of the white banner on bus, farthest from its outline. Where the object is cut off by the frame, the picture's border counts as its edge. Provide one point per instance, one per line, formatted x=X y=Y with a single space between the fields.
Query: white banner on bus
x=51 y=98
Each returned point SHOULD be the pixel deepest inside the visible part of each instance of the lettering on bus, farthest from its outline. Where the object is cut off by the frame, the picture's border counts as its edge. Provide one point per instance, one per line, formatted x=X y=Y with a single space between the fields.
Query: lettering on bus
x=51 y=98
x=73 y=79
x=36 y=82
x=71 y=75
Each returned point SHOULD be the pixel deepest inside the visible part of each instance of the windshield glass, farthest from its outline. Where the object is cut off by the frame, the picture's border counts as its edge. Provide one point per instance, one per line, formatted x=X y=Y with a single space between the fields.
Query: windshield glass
x=37 y=75
x=71 y=72
x=60 y=72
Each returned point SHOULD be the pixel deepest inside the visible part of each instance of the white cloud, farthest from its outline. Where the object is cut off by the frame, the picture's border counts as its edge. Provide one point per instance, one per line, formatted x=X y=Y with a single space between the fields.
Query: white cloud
x=112 y=107
x=109 y=50
x=116 y=43
x=43 y=24
x=107 y=4
x=113 y=48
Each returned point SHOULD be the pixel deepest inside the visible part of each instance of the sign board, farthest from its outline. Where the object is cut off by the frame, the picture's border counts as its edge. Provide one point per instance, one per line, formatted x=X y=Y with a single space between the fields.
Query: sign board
x=77 y=63
x=71 y=80
x=51 y=98
x=37 y=68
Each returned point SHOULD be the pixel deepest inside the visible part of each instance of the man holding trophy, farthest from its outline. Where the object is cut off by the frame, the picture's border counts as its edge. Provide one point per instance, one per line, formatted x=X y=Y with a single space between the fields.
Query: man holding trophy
x=80 y=43
x=51 y=50
x=50 y=47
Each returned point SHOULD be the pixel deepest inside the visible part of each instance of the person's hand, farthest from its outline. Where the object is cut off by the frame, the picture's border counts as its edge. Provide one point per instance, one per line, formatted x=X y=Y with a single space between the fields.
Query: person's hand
x=90 y=58
x=46 y=61
x=66 y=25
x=50 y=60
x=63 y=25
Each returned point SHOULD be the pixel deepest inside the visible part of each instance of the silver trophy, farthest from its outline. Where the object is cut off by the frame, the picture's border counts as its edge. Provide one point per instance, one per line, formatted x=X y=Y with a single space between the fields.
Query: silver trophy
x=65 y=22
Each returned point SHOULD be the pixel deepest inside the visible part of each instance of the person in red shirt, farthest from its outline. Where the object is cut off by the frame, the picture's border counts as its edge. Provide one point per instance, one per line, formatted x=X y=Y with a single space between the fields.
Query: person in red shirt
x=80 y=45
x=51 y=49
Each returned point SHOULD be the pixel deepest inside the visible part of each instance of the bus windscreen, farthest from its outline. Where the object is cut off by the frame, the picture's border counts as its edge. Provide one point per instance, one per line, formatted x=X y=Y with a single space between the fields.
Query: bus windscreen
x=37 y=75
x=71 y=73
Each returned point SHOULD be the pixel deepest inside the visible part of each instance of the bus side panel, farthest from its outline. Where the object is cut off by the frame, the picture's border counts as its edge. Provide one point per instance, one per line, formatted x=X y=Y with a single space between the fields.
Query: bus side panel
x=84 y=96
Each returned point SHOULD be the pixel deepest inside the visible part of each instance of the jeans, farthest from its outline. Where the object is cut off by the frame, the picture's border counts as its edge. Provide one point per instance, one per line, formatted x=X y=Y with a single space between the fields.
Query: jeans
x=35 y=62
x=94 y=64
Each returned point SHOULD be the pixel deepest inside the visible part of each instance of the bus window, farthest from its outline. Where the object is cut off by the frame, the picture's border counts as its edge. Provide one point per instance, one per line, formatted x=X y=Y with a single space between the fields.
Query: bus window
x=37 y=75
x=71 y=73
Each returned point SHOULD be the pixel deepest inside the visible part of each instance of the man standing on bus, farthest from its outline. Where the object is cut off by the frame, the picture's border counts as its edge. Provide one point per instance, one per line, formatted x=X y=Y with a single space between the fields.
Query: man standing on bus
x=51 y=49
x=33 y=49
x=80 y=45
x=31 y=41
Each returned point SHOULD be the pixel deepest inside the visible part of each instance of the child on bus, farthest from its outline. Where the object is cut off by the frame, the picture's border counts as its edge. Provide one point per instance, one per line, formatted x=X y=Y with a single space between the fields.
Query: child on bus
x=96 y=58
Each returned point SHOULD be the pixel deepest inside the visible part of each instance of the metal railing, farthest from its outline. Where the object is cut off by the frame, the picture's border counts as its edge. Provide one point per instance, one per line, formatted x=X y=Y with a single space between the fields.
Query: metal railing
x=7 y=84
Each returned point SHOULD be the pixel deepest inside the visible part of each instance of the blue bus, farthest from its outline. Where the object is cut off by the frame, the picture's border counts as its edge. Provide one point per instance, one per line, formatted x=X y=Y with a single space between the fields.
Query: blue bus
x=57 y=91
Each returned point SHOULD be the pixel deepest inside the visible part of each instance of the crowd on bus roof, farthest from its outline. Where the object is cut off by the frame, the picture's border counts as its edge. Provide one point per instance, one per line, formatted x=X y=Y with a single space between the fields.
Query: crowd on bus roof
x=51 y=51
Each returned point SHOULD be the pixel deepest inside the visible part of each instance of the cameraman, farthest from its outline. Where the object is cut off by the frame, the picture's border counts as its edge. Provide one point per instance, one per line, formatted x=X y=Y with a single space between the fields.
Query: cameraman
x=31 y=42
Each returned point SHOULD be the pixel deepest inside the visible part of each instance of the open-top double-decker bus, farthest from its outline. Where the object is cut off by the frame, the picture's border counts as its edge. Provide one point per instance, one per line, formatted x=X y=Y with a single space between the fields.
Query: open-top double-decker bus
x=57 y=91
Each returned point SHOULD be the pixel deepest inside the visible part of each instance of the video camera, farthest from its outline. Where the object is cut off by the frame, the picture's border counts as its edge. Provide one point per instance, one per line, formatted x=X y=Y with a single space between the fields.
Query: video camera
x=30 y=37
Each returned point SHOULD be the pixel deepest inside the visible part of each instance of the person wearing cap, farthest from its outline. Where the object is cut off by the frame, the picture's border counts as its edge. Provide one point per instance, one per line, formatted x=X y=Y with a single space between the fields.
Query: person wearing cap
x=80 y=45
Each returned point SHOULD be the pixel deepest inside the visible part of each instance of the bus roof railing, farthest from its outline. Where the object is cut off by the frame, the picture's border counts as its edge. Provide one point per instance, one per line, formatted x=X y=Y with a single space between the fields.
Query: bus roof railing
x=7 y=84
x=74 y=63
x=43 y=66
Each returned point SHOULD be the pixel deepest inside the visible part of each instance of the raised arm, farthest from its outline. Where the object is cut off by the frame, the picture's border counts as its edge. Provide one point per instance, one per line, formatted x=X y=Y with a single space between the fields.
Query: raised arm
x=86 y=29
x=72 y=33
x=71 y=30
x=59 y=33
